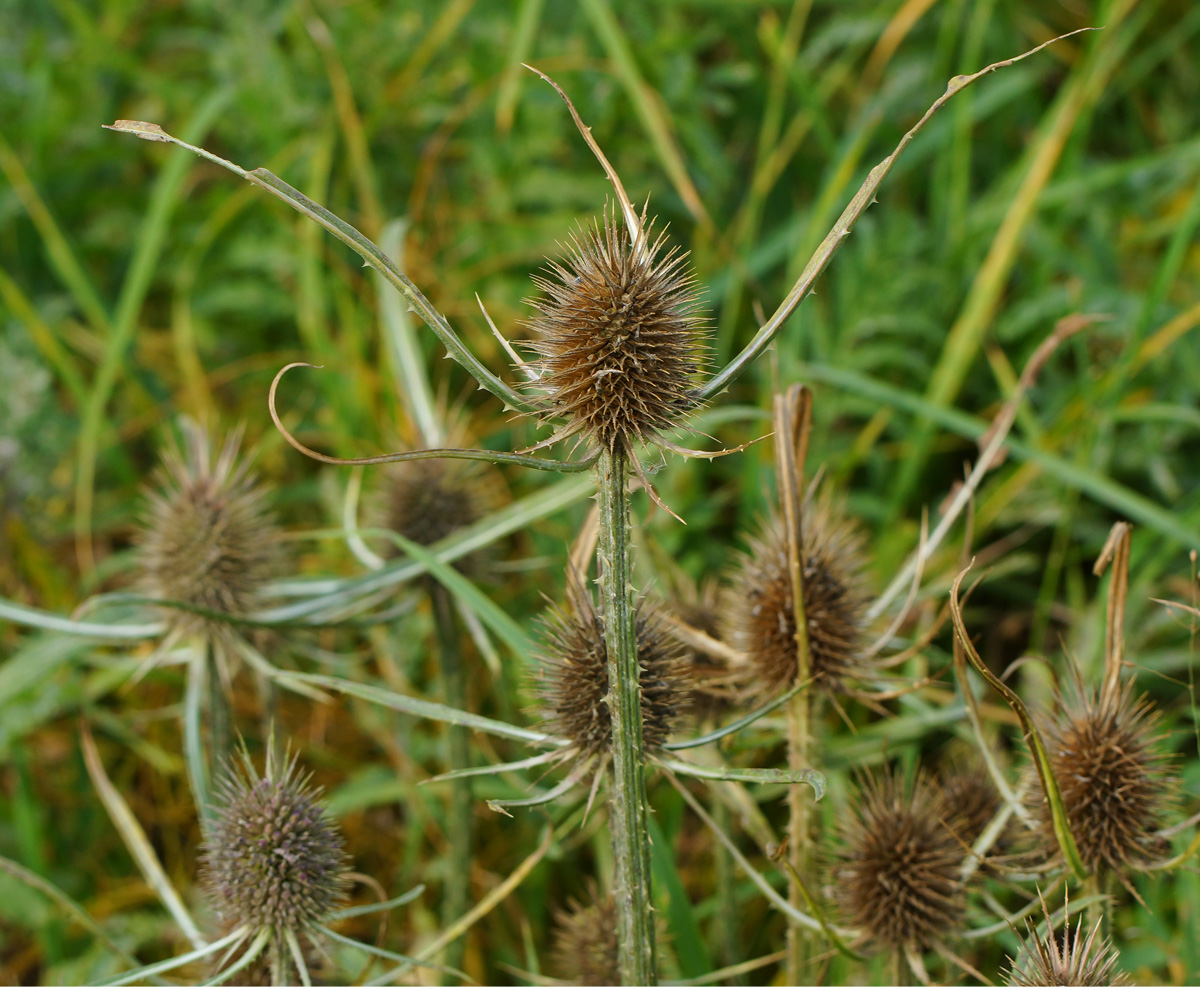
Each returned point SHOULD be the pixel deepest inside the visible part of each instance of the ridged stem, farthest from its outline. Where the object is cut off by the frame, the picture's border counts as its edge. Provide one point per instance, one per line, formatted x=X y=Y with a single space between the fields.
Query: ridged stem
x=627 y=795
x=457 y=895
x=793 y=417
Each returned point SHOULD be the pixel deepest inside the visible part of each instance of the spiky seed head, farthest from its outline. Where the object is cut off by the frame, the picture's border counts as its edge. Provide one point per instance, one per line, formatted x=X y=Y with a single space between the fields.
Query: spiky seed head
x=1077 y=962
x=273 y=858
x=427 y=500
x=762 y=614
x=970 y=799
x=575 y=674
x=896 y=878
x=619 y=336
x=1113 y=778
x=585 y=940
x=207 y=537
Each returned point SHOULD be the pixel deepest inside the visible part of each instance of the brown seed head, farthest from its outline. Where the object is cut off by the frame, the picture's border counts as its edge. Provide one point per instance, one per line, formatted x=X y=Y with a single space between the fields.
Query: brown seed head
x=272 y=857
x=575 y=674
x=585 y=941
x=1078 y=962
x=618 y=336
x=1114 y=781
x=207 y=538
x=762 y=614
x=428 y=500
x=897 y=875
x=970 y=799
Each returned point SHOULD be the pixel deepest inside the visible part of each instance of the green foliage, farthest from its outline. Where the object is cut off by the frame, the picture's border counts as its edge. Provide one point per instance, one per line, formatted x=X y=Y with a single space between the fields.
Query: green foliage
x=138 y=282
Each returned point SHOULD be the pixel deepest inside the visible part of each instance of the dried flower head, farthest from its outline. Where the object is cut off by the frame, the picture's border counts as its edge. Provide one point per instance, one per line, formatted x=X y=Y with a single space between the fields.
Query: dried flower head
x=585 y=940
x=1112 y=777
x=1078 y=962
x=207 y=537
x=970 y=799
x=896 y=879
x=273 y=859
x=618 y=336
x=762 y=615
x=428 y=500
x=575 y=674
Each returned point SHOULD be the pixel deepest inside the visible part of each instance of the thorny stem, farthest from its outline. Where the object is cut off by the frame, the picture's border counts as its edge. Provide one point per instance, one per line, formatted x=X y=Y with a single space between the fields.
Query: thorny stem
x=793 y=412
x=627 y=796
x=458 y=817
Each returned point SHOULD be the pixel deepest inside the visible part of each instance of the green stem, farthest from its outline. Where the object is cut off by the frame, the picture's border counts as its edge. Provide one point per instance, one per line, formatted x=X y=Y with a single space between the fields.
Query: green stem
x=456 y=898
x=220 y=732
x=627 y=796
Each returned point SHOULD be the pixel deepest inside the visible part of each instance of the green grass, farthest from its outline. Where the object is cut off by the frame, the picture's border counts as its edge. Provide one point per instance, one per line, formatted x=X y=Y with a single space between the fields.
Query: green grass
x=137 y=282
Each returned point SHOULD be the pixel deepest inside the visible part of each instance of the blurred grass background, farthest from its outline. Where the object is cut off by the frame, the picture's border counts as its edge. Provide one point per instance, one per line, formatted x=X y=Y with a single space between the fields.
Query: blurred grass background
x=137 y=282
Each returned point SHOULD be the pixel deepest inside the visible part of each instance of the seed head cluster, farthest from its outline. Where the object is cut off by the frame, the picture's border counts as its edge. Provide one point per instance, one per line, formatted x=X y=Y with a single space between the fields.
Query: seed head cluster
x=970 y=798
x=207 y=537
x=762 y=613
x=896 y=878
x=273 y=858
x=1112 y=778
x=575 y=677
x=618 y=336
x=585 y=942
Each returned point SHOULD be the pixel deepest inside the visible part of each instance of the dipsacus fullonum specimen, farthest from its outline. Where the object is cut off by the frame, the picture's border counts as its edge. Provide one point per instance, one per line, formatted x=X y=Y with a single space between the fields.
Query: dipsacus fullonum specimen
x=618 y=336
x=207 y=538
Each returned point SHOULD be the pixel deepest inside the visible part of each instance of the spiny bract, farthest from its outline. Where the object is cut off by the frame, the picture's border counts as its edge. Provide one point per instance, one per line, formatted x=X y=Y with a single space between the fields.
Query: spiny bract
x=207 y=537
x=762 y=614
x=897 y=875
x=575 y=675
x=272 y=857
x=618 y=337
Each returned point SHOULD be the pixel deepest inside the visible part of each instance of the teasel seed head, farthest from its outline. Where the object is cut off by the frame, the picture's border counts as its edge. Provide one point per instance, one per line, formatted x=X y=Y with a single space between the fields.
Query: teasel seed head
x=272 y=857
x=585 y=941
x=575 y=674
x=970 y=799
x=1113 y=779
x=618 y=337
x=207 y=537
x=1077 y=962
x=897 y=875
x=761 y=613
x=428 y=500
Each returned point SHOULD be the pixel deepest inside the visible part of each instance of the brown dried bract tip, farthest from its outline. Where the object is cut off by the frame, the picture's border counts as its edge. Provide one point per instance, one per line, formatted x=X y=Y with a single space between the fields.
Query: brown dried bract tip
x=207 y=537
x=1112 y=778
x=618 y=337
x=897 y=875
x=1078 y=962
x=762 y=615
x=575 y=675
x=585 y=941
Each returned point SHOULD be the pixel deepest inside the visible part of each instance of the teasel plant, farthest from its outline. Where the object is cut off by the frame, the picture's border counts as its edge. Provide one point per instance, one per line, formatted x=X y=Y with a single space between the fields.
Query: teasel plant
x=615 y=399
x=274 y=869
x=1100 y=785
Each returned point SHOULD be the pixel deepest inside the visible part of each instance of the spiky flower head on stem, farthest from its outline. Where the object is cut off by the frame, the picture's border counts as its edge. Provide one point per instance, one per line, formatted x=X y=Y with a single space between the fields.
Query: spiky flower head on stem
x=618 y=336
x=1077 y=962
x=575 y=674
x=896 y=878
x=585 y=940
x=1112 y=777
x=207 y=538
x=273 y=858
x=762 y=615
